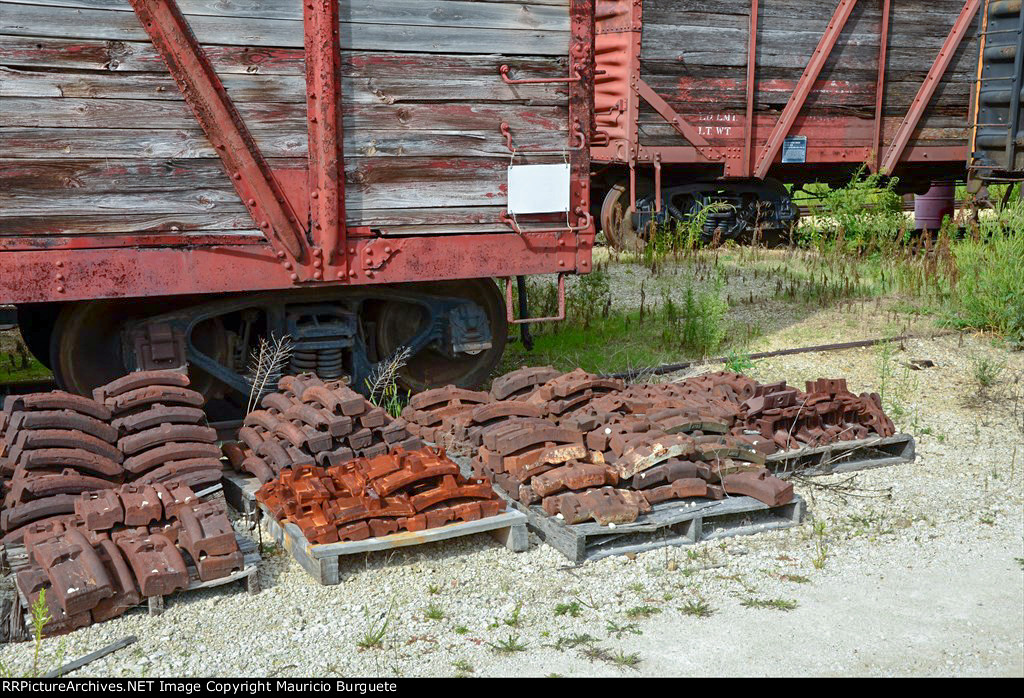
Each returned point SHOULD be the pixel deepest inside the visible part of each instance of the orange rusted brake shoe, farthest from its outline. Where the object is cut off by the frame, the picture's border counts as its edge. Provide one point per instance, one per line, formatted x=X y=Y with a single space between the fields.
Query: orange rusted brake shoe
x=397 y=491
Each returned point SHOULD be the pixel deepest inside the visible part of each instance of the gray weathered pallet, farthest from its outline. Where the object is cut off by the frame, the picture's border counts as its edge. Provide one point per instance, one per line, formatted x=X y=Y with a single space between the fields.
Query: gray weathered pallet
x=844 y=456
x=20 y=618
x=667 y=524
x=240 y=491
x=321 y=561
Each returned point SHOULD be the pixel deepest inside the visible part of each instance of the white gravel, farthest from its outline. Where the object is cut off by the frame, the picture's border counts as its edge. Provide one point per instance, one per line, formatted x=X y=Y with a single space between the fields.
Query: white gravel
x=922 y=574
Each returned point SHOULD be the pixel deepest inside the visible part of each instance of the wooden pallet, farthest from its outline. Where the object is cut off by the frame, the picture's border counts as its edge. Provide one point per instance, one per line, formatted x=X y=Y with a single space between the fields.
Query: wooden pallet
x=321 y=561
x=844 y=456
x=21 y=620
x=667 y=524
x=675 y=523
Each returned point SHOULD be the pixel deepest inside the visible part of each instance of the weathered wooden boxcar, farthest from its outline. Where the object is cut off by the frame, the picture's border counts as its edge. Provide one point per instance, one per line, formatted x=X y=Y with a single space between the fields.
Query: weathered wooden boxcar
x=724 y=101
x=181 y=177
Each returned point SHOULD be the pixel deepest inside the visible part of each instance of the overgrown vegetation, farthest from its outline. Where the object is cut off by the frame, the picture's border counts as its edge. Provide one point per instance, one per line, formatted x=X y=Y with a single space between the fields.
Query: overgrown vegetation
x=969 y=275
x=678 y=299
x=690 y=324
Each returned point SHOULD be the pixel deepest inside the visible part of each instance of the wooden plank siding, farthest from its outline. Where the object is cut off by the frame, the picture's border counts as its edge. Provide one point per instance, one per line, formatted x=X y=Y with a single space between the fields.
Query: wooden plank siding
x=694 y=54
x=95 y=137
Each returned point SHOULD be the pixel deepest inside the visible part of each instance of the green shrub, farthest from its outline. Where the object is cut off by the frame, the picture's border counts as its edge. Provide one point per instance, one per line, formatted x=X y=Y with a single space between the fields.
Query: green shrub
x=864 y=216
x=989 y=284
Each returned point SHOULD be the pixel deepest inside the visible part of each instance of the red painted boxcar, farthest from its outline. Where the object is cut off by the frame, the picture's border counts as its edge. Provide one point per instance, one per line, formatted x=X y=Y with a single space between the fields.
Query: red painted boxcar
x=181 y=177
x=700 y=102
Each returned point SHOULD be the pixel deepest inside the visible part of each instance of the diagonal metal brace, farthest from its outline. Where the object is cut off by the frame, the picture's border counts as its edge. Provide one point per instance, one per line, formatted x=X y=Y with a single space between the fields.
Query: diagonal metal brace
x=217 y=116
x=684 y=127
x=928 y=87
x=804 y=87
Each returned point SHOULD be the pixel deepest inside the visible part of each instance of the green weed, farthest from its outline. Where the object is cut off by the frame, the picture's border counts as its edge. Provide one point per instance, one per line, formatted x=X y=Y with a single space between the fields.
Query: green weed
x=774 y=604
x=568 y=609
x=698 y=608
x=434 y=612
x=613 y=628
x=374 y=637
x=515 y=620
x=509 y=645
x=987 y=372
x=820 y=546
x=642 y=612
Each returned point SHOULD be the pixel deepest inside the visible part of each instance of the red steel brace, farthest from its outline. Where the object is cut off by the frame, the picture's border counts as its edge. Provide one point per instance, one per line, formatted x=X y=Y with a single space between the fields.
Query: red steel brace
x=928 y=87
x=748 y=138
x=326 y=157
x=803 y=87
x=223 y=125
x=684 y=127
x=883 y=50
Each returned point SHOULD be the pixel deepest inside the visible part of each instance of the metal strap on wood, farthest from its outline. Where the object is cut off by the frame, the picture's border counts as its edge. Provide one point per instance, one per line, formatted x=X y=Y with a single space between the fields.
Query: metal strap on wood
x=684 y=127
x=883 y=50
x=927 y=90
x=803 y=87
x=326 y=160
x=223 y=125
x=748 y=136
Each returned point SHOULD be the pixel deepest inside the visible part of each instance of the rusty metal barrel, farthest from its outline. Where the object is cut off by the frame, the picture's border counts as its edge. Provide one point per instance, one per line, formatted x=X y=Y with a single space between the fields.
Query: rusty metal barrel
x=931 y=207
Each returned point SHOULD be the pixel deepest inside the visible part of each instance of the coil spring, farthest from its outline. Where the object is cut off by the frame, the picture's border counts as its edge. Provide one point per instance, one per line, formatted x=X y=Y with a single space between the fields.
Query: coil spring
x=327 y=364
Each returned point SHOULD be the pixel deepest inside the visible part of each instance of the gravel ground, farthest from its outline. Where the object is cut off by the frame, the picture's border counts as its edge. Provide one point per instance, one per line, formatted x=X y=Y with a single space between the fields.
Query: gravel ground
x=920 y=571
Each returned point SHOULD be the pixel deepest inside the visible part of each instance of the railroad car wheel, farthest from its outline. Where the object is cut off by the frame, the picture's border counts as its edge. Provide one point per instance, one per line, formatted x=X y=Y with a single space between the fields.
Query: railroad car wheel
x=397 y=322
x=86 y=350
x=616 y=221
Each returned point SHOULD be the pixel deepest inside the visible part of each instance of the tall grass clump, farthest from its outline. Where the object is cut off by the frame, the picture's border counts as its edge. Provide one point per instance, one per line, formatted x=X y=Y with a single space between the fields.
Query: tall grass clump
x=988 y=287
x=697 y=325
x=679 y=238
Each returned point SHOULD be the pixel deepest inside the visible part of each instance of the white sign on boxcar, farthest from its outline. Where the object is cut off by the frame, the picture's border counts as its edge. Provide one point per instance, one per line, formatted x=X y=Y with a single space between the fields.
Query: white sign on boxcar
x=538 y=189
